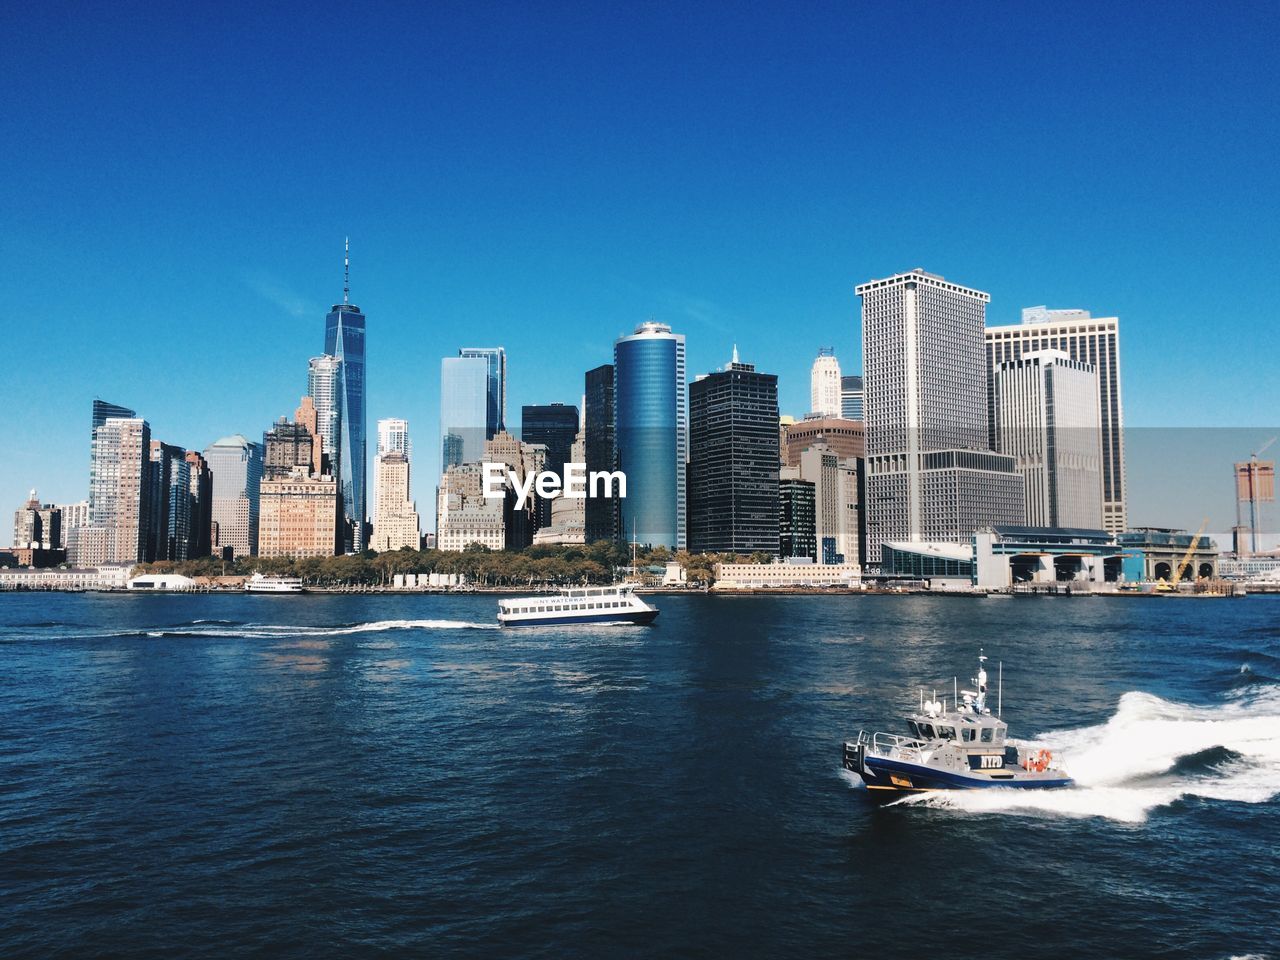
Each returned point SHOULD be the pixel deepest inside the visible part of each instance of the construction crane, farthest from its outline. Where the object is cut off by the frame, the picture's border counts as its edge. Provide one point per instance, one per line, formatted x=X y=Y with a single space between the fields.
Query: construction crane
x=1186 y=557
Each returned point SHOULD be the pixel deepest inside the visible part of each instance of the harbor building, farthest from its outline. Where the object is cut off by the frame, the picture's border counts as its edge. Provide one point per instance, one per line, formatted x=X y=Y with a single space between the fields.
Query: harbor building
x=782 y=574
x=852 y=406
x=1046 y=417
x=733 y=461
x=602 y=514
x=848 y=438
x=495 y=358
x=797 y=526
x=931 y=474
x=651 y=434
x=236 y=465
x=824 y=384
x=1086 y=339
x=464 y=409
x=344 y=340
x=1006 y=556
x=1155 y=553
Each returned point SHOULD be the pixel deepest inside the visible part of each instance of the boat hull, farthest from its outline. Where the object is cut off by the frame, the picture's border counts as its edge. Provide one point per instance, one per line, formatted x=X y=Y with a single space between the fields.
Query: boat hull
x=626 y=617
x=885 y=775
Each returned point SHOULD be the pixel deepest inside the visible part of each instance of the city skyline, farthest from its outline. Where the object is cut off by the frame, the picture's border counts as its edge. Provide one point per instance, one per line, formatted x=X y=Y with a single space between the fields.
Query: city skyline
x=733 y=202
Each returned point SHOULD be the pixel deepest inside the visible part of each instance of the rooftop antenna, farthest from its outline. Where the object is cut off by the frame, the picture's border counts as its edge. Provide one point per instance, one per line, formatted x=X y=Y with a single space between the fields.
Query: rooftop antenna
x=346 y=270
x=735 y=354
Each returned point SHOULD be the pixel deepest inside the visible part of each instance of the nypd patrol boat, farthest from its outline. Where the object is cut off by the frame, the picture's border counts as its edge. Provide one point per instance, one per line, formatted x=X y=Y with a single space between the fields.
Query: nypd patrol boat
x=602 y=605
x=960 y=746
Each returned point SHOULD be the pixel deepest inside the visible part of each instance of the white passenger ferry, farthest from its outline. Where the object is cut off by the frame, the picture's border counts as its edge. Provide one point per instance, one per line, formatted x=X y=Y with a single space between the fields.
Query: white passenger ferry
x=259 y=583
x=615 y=604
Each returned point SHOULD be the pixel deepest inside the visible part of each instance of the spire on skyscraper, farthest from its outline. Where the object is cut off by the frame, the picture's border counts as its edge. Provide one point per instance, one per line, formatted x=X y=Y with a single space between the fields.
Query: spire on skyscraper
x=346 y=270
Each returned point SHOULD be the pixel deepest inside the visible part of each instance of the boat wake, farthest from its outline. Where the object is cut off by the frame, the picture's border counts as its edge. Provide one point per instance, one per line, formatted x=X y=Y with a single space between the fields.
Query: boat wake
x=270 y=631
x=1151 y=753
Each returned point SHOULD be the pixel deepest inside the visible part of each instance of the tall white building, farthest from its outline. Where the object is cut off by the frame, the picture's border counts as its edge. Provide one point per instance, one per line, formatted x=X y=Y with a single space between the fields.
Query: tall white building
x=395 y=524
x=931 y=474
x=1046 y=417
x=324 y=387
x=824 y=384
x=393 y=435
x=1092 y=340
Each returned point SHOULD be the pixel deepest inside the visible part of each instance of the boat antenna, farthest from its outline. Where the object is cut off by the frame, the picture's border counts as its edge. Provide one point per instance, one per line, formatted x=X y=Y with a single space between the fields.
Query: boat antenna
x=955 y=691
x=1000 y=691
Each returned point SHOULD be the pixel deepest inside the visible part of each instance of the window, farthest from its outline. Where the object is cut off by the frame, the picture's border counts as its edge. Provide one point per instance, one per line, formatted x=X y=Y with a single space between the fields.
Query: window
x=946 y=733
x=967 y=734
x=926 y=731
x=986 y=734
x=915 y=730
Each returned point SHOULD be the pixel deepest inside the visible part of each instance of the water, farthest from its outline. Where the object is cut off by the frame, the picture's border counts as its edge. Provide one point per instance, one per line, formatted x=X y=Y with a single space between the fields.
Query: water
x=214 y=776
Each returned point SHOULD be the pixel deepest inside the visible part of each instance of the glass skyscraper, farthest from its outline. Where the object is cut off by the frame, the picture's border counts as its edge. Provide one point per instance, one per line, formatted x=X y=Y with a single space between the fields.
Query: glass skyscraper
x=464 y=409
x=344 y=341
x=598 y=416
x=236 y=465
x=324 y=387
x=651 y=433
x=496 y=391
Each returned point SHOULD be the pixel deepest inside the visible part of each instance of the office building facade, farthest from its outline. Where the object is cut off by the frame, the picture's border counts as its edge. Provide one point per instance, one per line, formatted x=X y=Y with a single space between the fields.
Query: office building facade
x=395 y=524
x=852 y=395
x=651 y=434
x=848 y=438
x=1085 y=339
x=602 y=513
x=464 y=409
x=797 y=528
x=733 y=461
x=200 y=492
x=495 y=359
x=120 y=491
x=170 y=524
x=554 y=426
x=324 y=387
x=344 y=340
x=824 y=384
x=931 y=475
x=1046 y=417
x=236 y=465
x=300 y=510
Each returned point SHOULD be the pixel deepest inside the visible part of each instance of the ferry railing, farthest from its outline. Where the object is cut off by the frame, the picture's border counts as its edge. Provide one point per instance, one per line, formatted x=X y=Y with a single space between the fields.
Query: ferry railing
x=892 y=745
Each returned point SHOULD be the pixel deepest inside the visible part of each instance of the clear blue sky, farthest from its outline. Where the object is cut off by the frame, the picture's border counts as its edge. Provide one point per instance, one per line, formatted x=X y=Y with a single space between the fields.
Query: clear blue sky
x=177 y=181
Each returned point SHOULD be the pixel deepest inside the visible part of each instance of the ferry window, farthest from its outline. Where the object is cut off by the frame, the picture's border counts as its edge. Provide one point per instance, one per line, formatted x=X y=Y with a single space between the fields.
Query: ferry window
x=986 y=734
x=926 y=731
x=946 y=733
x=915 y=731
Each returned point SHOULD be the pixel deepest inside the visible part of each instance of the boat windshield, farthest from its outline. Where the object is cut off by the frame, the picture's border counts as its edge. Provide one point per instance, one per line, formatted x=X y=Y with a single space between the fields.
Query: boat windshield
x=946 y=733
x=915 y=730
x=926 y=731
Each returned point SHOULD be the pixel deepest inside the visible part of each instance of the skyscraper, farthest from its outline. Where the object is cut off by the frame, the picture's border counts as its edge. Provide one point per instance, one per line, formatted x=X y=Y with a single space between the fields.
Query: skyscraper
x=851 y=398
x=1087 y=339
x=102 y=411
x=201 y=494
x=393 y=436
x=300 y=509
x=324 y=387
x=1046 y=417
x=824 y=384
x=344 y=335
x=120 y=491
x=555 y=426
x=931 y=475
x=651 y=433
x=395 y=524
x=464 y=406
x=170 y=523
x=495 y=359
x=597 y=420
x=733 y=461
x=797 y=529
x=236 y=465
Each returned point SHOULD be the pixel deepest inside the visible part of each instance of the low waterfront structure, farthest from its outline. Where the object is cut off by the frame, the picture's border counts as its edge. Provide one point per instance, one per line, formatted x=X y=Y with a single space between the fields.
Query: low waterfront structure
x=64 y=578
x=162 y=583
x=943 y=565
x=1154 y=553
x=1254 y=568
x=1007 y=555
x=787 y=573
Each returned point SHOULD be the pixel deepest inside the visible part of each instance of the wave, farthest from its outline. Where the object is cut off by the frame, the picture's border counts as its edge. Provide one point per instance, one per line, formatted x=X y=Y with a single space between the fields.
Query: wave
x=1151 y=753
x=273 y=631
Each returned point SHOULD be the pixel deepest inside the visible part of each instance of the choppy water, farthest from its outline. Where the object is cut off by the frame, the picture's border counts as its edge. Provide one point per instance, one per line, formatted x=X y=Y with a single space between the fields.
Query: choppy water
x=390 y=776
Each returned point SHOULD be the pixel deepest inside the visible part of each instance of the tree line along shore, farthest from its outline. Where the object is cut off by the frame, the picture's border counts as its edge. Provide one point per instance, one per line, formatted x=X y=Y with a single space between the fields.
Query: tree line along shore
x=600 y=562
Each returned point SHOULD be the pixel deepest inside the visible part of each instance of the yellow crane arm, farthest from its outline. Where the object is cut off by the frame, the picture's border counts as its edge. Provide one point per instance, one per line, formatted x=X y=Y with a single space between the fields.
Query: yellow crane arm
x=1191 y=552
